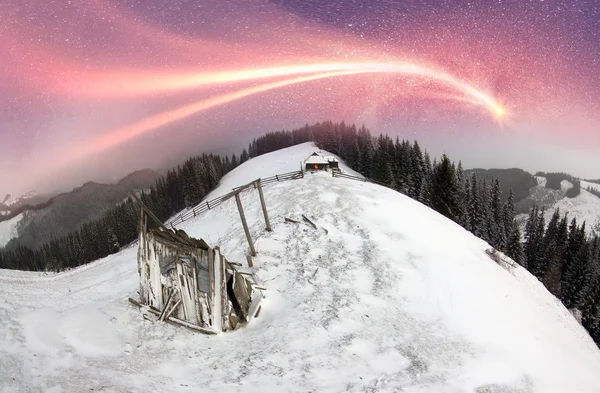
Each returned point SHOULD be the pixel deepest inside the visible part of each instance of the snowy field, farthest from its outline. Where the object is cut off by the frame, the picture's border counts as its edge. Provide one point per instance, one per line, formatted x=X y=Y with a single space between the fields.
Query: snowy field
x=8 y=229
x=584 y=207
x=586 y=184
x=385 y=296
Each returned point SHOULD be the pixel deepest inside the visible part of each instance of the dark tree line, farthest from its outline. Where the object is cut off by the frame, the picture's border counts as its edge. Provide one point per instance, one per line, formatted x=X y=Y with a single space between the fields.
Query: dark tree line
x=593 y=191
x=563 y=257
x=184 y=186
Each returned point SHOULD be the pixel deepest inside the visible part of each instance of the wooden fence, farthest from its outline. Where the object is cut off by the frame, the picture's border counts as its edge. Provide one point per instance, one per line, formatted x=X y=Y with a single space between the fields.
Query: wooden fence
x=203 y=207
x=339 y=173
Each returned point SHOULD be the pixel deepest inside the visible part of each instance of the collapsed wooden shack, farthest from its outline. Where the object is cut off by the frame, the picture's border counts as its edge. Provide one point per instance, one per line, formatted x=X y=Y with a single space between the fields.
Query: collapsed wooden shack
x=183 y=280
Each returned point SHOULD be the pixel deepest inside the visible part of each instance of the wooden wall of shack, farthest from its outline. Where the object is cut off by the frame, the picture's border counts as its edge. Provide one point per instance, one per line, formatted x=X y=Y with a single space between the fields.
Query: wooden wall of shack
x=188 y=280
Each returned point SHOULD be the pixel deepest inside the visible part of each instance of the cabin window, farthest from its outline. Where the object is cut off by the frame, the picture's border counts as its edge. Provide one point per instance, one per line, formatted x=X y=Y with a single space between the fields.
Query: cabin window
x=316 y=166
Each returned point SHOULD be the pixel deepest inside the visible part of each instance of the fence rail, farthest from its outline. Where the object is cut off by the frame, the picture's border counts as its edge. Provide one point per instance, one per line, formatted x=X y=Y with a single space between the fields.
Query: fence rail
x=205 y=206
x=339 y=173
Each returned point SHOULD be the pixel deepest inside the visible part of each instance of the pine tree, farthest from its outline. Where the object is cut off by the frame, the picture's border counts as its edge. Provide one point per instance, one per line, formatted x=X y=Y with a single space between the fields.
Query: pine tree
x=497 y=230
x=509 y=213
x=514 y=247
x=474 y=209
x=417 y=172
x=444 y=196
x=428 y=173
x=484 y=200
x=575 y=269
x=244 y=157
x=382 y=170
x=462 y=196
x=534 y=235
x=554 y=246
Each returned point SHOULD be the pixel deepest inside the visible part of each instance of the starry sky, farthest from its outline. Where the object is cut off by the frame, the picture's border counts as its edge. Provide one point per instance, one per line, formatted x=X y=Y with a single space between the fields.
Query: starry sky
x=92 y=89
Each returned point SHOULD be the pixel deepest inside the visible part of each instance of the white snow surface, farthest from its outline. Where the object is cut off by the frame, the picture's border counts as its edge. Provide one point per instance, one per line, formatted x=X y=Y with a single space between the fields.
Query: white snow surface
x=8 y=229
x=586 y=184
x=584 y=207
x=566 y=185
x=541 y=181
x=385 y=296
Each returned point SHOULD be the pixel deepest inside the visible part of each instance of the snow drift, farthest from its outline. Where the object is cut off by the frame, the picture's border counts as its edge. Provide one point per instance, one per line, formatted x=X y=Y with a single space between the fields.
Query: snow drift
x=385 y=295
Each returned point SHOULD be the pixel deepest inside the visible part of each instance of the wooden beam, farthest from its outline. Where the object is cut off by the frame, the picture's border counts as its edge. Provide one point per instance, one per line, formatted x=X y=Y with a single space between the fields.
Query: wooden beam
x=211 y=276
x=263 y=204
x=174 y=320
x=173 y=309
x=162 y=313
x=237 y=190
x=149 y=212
x=216 y=279
x=245 y=224
x=224 y=298
x=249 y=259
x=309 y=221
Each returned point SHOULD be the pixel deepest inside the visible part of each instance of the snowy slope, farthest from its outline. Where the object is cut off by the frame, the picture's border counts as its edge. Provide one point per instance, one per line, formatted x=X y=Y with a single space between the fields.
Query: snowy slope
x=8 y=229
x=392 y=297
x=282 y=161
x=584 y=207
x=586 y=184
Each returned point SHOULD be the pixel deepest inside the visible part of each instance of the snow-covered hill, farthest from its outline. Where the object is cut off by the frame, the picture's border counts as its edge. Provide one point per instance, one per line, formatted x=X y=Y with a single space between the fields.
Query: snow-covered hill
x=584 y=207
x=586 y=184
x=386 y=295
x=8 y=229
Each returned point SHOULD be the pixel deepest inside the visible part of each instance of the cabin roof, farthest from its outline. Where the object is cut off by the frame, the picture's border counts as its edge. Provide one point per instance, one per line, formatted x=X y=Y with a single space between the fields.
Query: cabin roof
x=178 y=238
x=316 y=160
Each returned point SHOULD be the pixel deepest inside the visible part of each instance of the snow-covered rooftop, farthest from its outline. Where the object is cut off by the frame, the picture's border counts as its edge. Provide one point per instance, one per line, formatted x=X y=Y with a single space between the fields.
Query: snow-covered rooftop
x=316 y=159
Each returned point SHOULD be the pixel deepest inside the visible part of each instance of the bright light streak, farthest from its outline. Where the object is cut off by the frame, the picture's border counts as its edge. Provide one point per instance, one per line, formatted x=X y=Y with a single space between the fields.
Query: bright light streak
x=131 y=84
x=120 y=135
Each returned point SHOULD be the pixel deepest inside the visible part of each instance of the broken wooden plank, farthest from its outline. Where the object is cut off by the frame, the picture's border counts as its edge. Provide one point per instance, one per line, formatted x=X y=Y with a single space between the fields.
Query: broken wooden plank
x=306 y=219
x=189 y=306
x=135 y=302
x=162 y=313
x=225 y=304
x=292 y=221
x=174 y=320
x=172 y=309
x=257 y=297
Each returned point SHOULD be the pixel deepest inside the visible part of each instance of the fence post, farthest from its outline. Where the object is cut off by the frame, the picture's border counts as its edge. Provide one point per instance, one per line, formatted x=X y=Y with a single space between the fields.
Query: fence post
x=207 y=205
x=244 y=224
x=277 y=177
x=264 y=205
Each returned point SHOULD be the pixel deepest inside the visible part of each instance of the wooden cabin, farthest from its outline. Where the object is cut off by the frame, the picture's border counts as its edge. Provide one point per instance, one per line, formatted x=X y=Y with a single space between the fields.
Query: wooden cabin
x=318 y=162
x=333 y=162
x=183 y=280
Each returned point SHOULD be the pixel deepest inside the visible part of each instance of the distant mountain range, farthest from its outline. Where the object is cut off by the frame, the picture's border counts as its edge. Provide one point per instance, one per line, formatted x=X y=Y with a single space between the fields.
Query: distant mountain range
x=516 y=179
x=551 y=191
x=46 y=218
x=11 y=203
